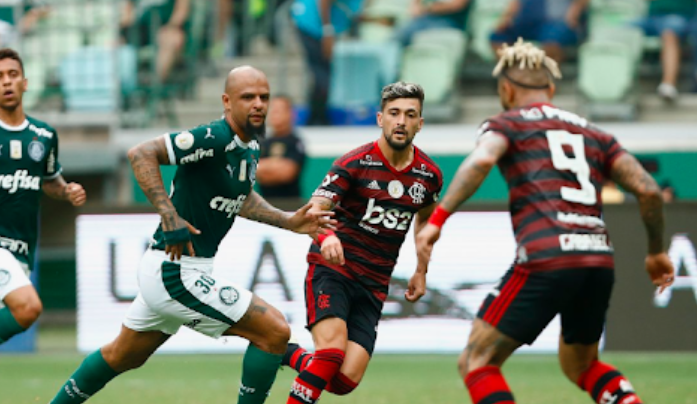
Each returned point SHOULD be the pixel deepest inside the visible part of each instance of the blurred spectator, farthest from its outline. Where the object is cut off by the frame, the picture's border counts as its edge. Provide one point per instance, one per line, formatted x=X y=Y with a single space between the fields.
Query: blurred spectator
x=672 y=20
x=553 y=23
x=169 y=18
x=11 y=28
x=431 y=14
x=318 y=22
x=282 y=155
x=668 y=192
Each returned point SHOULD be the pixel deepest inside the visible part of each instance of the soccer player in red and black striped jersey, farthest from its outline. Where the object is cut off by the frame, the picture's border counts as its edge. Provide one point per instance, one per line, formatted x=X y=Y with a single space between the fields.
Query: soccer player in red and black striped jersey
x=554 y=162
x=376 y=191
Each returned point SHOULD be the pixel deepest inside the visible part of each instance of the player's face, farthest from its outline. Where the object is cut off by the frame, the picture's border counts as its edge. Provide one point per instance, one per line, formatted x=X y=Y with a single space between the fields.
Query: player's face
x=248 y=103
x=400 y=121
x=13 y=84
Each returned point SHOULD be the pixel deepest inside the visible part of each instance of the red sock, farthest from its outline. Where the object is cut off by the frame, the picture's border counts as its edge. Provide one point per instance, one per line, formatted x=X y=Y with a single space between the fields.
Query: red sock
x=341 y=385
x=606 y=385
x=299 y=359
x=309 y=384
x=487 y=386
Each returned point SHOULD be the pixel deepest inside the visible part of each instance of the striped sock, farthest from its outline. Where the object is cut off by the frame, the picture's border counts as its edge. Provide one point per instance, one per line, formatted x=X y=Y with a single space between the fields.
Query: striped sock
x=309 y=384
x=487 y=386
x=296 y=357
x=606 y=385
x=341 y=385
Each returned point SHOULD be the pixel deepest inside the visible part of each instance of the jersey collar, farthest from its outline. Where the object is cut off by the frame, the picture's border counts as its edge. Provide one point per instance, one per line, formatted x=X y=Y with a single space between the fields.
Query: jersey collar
x=376 y=146
x=17 y=128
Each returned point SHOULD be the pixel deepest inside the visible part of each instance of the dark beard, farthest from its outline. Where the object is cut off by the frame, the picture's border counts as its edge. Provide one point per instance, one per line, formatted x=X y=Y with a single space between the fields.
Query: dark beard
x=397 y=146
x=258 y=132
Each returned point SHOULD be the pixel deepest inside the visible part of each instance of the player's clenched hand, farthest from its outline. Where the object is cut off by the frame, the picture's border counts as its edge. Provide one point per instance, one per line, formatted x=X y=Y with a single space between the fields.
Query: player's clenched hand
x=305 y=221
x=425 y=240
x=177 y=233
x=416 y=287
x=75 y=193
x=332 y=250
x=660 y=269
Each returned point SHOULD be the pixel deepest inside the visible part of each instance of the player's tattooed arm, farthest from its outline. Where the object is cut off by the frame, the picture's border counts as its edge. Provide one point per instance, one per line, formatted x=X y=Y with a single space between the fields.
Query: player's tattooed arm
x=56 y=188
x=472 y=172
x=256 y=208
x=321 y=203
x=628 y=173
x=146 y=159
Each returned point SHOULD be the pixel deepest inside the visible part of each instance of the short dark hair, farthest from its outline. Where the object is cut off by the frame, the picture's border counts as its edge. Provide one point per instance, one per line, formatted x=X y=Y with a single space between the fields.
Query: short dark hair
x=7 y=53
x=401 y=89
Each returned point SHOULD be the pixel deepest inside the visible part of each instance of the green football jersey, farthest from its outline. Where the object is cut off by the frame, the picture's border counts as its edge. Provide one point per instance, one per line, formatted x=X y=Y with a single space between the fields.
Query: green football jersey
x=216 y=173
x=28 y=156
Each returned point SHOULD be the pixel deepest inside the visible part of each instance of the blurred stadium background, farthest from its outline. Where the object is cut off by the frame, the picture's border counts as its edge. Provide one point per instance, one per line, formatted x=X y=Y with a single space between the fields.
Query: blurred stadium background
x=96 y=81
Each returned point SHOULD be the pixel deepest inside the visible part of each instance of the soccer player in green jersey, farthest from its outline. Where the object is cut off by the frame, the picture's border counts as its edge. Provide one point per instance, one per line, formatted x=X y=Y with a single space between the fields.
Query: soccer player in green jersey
x=213 y=184
x=28 y=166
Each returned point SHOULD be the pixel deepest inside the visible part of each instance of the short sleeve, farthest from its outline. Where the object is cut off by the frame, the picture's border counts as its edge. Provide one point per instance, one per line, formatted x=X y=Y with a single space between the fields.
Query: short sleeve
x=53 y=168
x=493 y=126
x=194 y=146
x=335 y=184
x=612 y=150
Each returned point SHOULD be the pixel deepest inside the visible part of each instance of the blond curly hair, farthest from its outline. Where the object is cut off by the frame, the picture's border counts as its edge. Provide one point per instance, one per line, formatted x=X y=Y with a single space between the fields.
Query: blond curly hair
x=525 y=56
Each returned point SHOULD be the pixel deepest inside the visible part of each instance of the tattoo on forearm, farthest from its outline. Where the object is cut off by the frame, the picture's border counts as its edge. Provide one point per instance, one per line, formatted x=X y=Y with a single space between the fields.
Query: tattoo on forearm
x=630 y=175
x=256 y=208
x=322 y=203
x=146 y=169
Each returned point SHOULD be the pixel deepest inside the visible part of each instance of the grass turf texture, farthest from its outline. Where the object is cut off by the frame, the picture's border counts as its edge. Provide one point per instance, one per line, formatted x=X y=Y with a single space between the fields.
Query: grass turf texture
x=407 y=379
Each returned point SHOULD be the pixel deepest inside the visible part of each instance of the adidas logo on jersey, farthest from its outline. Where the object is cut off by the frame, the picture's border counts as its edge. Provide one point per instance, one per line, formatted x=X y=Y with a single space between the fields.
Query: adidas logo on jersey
x=374 y=185
x=19 y=180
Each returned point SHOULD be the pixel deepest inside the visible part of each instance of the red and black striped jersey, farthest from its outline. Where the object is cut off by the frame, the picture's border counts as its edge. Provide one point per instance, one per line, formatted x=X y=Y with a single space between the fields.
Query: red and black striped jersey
x=375 y=205
x=555 y=166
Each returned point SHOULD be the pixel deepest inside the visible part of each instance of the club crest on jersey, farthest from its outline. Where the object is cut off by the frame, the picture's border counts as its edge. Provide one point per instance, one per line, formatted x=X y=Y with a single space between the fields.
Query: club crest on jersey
x=417 y=191
x=396 y=189
x=228 y=295
x=4 y=277
x=36 y=150
x=184 y=140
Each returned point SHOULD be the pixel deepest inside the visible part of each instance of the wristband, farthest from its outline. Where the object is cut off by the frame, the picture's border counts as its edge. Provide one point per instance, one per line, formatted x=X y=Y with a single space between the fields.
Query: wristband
x=439 y=216
x=323 y=236
x=178 y=236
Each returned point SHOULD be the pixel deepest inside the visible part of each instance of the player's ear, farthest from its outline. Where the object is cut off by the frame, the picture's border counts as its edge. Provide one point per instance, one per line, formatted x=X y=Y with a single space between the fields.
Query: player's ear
x=226 y=102
x=25 y=84
x=379 y=119
x=551 y=90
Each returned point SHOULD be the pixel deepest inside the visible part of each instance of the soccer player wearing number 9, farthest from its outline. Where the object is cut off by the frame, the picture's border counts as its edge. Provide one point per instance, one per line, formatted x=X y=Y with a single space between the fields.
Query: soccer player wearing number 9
x=376 y=191
x=212 y=185
x=554 y=162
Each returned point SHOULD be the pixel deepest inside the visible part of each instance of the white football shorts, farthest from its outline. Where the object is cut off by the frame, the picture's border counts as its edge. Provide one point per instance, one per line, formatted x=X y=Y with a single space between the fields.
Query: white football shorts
x=13 y=274
x=186 y=293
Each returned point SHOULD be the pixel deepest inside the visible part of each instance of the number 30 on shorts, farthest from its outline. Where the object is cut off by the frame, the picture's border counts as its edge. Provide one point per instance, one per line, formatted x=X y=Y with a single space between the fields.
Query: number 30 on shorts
x=205 y=282
x=577 y=164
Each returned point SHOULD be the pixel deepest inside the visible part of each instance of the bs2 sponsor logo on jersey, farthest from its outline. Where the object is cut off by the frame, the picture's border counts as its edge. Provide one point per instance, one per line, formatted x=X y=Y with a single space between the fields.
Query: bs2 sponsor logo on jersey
x=19 y=180
x=227 y=205
x=389 y=218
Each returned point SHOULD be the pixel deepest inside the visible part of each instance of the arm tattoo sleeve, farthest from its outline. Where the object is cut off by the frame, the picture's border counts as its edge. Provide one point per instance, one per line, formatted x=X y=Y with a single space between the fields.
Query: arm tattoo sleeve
x=145 y=160
x=258 y=209
x=630 y=175
x=322 y=203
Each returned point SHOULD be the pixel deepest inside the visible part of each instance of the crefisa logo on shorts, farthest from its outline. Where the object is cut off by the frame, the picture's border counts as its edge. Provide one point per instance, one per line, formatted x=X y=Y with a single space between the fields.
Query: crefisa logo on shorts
x=229 y=295
x=4 y=277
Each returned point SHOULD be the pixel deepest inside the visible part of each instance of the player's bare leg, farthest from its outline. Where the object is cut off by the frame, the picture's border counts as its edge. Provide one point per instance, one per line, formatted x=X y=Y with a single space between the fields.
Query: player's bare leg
x=479 y=364
x=268 y=333
x=604 y=383
x=330 y=336
x=130 y=350
x=23 y=308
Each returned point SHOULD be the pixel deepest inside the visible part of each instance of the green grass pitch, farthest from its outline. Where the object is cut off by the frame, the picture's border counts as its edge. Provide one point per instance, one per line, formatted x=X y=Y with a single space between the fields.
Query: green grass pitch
x=660 y=378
